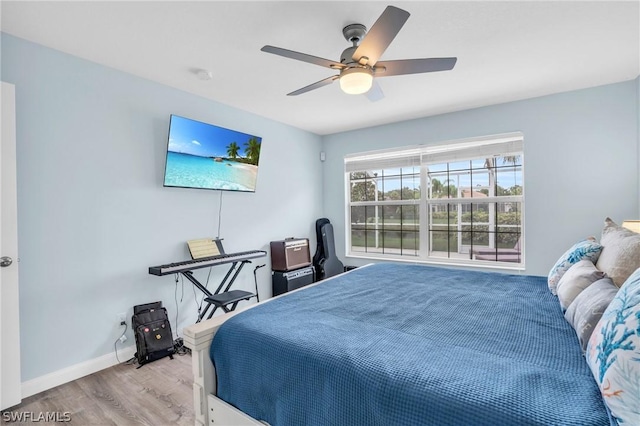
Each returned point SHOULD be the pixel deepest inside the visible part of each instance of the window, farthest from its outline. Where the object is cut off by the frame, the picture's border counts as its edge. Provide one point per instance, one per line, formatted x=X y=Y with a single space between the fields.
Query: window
x=459 y=202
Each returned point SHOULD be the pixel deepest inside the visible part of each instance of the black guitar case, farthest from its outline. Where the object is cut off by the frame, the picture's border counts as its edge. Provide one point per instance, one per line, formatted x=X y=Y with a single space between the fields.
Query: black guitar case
x=319 y=246
x=330 y=265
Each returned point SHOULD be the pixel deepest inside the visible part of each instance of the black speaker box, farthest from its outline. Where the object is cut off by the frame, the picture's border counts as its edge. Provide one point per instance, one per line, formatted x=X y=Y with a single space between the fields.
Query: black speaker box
x=291 y=280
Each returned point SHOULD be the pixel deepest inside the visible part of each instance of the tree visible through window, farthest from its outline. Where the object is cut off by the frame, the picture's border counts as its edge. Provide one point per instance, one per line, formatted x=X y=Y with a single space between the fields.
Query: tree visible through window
x=385 y=211
x=463 y=203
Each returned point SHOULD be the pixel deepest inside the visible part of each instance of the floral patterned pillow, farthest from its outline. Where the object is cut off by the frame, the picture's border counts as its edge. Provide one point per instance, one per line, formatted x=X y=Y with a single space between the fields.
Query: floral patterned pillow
x=613 y=353
x=585 y=249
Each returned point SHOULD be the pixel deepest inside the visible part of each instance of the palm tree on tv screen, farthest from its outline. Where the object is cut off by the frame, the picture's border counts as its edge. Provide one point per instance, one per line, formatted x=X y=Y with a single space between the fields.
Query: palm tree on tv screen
x=252 y=150
x=232 y=150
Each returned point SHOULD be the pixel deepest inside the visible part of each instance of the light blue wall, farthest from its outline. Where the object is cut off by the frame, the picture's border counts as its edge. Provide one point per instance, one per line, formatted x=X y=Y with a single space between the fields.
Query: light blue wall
x=581 y=162
x=93 y=215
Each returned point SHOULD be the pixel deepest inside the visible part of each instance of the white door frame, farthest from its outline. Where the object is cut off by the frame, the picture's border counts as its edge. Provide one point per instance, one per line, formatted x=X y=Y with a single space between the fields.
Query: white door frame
x=10 y=384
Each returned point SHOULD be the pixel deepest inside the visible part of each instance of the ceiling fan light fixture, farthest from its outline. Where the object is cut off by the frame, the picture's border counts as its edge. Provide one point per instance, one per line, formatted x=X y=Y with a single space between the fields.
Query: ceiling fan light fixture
x=356 y=81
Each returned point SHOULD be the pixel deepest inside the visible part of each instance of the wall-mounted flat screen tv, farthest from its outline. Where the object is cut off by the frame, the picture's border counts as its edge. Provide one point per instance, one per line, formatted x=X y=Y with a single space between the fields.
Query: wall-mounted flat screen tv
x=201 y=155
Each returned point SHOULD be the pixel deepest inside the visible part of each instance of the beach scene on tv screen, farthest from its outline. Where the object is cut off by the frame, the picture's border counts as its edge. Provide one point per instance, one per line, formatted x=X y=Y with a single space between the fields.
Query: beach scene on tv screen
x=202 y=155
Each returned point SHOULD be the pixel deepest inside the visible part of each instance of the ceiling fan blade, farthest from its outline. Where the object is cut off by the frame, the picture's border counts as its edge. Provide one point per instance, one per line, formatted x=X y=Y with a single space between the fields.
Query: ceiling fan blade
x=314 y=86
x=302 y=57
x=375 y=93
x=380 y=35
x=413 y=66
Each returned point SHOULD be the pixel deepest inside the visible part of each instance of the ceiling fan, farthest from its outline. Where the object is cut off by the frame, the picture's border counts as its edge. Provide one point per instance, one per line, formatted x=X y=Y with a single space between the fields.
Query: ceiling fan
x=359 y=63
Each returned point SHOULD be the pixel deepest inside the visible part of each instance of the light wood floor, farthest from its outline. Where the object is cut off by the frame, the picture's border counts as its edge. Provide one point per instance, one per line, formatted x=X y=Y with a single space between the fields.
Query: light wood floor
x=159 y=393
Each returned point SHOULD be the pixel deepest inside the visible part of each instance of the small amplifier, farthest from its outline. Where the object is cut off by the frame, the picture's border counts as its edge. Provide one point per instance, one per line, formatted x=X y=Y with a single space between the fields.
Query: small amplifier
x=289 y=254
x=284 y=282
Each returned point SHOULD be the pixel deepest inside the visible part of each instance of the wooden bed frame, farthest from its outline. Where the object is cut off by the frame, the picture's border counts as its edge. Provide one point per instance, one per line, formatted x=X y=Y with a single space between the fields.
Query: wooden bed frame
x=209 y=409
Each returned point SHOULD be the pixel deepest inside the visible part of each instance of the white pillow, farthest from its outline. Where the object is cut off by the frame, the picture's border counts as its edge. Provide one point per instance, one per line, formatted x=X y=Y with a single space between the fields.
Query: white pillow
x=586 y=310
x=578 y=277
x=621 y=252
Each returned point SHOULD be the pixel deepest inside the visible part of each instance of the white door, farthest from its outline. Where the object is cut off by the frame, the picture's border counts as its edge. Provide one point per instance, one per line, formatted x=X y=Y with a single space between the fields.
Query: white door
x=10 y=393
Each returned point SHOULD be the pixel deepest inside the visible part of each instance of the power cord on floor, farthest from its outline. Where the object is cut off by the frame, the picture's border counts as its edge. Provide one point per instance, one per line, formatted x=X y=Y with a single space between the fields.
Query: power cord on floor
x=178 y=345
x=179 y=348
x=115 y=344
x=175 y=295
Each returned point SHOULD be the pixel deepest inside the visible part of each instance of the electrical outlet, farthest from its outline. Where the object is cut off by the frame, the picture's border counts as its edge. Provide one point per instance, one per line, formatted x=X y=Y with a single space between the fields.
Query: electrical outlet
x=122 y=317
x=123 y=338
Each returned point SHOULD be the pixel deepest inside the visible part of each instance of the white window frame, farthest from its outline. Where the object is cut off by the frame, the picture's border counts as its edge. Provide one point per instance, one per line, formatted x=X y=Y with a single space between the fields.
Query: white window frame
x=423 y=155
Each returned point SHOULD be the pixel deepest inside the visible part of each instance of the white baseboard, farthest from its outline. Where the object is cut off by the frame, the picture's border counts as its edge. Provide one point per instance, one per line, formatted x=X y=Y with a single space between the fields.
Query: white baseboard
x=74 y=372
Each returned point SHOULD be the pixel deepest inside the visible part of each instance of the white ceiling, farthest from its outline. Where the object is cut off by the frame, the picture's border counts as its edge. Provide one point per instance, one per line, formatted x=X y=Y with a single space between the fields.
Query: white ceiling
x=506 y=51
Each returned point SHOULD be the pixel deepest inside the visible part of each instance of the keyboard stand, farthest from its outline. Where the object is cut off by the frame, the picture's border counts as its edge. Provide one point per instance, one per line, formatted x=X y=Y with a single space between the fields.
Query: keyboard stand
x=221 y=298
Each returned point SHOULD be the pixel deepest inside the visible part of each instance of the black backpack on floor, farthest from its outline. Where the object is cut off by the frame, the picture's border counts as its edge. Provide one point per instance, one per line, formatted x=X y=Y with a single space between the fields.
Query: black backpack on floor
x=151 y=327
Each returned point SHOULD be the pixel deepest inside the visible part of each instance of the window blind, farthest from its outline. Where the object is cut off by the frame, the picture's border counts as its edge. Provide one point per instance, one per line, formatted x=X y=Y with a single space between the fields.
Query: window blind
x=485 y=147
x=387 y=159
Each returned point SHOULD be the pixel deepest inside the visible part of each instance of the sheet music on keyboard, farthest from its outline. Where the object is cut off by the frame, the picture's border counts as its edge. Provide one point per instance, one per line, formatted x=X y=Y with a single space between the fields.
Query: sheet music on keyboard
x=204 y=247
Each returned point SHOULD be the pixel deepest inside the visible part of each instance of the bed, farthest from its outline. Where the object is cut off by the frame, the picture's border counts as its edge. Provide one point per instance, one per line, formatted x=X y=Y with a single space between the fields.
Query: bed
x=397 y=344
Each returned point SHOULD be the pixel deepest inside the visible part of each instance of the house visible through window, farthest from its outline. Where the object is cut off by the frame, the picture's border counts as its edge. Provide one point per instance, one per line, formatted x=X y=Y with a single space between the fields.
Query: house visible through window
x=458 y=202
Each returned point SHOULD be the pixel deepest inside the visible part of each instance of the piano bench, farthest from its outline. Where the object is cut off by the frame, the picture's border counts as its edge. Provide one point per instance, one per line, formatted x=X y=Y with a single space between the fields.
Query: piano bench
x=222 y=300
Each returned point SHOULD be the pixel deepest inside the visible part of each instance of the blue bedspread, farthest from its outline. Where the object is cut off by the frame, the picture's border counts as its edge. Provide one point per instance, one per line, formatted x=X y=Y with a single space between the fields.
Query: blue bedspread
x=395 y=344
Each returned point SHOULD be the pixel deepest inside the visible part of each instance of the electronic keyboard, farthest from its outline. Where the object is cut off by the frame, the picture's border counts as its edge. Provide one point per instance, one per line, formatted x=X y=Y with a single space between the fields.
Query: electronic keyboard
x=205 y=262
